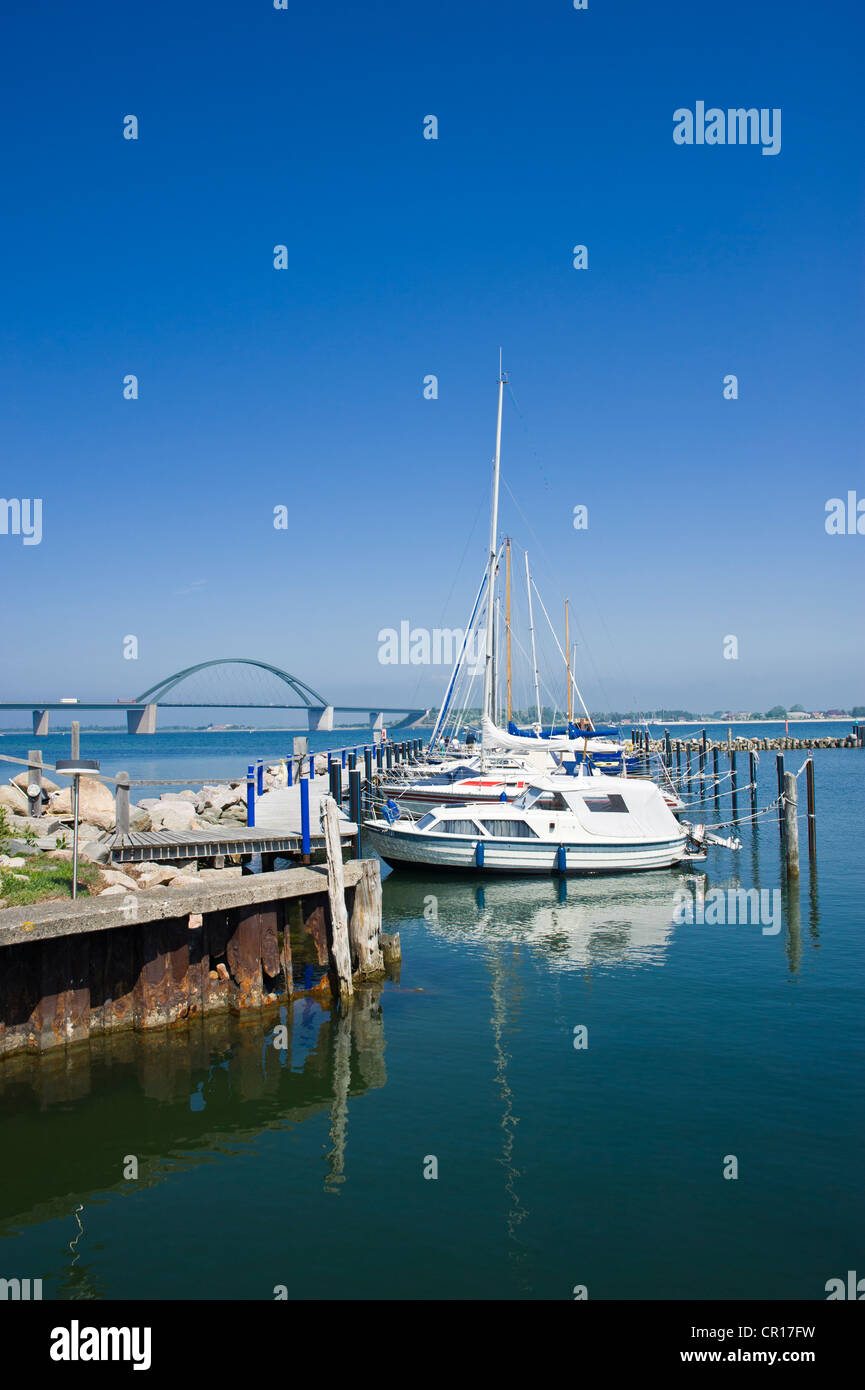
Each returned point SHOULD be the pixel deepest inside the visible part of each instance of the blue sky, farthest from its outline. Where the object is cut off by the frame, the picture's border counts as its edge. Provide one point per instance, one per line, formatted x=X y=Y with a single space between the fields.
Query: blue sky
x=407 y=257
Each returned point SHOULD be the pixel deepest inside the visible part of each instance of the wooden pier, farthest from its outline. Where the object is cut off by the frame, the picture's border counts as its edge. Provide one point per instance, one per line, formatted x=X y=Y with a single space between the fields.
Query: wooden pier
x=162 y=956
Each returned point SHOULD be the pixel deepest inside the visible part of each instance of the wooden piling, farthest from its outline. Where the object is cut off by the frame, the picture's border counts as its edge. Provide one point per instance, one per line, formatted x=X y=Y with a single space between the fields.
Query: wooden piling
x=812 y=808
x=779 y=766
x=364 y=928
x=715 y=771
x=791 y=824
x=122 y=804
x=752 y=777
x=338 y=942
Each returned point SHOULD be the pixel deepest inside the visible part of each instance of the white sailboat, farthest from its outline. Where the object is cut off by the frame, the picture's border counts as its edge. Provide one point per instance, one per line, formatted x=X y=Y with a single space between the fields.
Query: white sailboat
x=573 y=820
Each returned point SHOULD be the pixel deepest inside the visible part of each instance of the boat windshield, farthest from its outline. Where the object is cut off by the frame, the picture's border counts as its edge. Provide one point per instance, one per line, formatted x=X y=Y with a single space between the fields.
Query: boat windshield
x=426 y=820
x=527 y=798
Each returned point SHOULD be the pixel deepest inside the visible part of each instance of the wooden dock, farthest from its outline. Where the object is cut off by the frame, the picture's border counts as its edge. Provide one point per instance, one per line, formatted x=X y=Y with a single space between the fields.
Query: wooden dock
x=162 y=956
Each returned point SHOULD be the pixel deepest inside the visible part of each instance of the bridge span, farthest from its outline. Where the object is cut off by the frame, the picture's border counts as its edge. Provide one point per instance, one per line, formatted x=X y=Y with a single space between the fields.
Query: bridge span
x=141 y=712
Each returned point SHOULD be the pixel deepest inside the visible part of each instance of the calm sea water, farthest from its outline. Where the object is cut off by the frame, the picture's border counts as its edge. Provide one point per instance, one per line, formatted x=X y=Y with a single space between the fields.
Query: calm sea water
x=556 y=1166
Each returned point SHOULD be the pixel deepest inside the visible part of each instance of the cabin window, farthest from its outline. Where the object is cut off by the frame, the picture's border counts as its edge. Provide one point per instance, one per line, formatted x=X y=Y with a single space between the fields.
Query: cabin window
x=605 y=803
x=458 y=827
x=509 y=829
x=426 y=820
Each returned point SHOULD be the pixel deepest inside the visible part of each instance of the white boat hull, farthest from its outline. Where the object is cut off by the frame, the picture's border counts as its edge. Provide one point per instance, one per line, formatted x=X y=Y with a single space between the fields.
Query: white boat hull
x=502 y=856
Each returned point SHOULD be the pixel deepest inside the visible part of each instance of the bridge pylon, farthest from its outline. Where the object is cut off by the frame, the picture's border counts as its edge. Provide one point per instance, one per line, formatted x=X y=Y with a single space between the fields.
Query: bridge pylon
x=320 y=717
x=141 y=721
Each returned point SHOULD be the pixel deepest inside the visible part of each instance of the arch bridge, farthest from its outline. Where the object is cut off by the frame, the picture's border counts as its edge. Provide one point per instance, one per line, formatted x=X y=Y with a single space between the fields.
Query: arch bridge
x=142 y=711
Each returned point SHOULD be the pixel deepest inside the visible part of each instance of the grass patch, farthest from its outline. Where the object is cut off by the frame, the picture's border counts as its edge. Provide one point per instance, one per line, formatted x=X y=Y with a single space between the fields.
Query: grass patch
x=47 y=879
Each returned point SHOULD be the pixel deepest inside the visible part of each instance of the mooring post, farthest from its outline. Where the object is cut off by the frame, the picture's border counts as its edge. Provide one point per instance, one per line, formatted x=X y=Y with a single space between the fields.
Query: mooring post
x=289 y=767
x=715 y=771
x=336 y=782
x=352 y=760
x=260 y=777
x=121 y=812
x=752 y=777
x=305 y=839
x=250 y=795
x=779 y=765
x=344 y=757
x=367 y=762
x=668 y=751
x=734 y=780
x=791 y=824
x=75 y=741
x=812 y=808
x=34 y=782
x=354 y=804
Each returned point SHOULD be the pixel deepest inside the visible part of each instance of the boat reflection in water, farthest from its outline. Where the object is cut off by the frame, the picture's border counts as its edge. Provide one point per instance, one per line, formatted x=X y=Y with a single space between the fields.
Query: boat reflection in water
x=178 y=1097
x=572 y=923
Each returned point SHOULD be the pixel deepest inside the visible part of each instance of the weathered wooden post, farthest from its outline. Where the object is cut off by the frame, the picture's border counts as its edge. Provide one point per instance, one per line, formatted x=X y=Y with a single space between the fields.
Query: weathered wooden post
x=734 y=781
x=34 y=782
x=752 y=777
x=340 y=949
x=250 y=795
x=121 y=813
x=791 y=824
x=75 y=741
x=812 y=808
x=364 y=928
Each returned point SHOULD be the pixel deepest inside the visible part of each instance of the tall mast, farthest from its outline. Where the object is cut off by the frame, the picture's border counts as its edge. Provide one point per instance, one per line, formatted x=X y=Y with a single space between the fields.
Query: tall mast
x=491 y=565
x=568 y=658
x=532 y=631
x=508 y=619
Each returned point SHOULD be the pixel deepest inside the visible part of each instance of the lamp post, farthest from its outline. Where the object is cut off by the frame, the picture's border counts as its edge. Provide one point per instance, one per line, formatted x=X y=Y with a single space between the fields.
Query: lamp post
x=75 y=768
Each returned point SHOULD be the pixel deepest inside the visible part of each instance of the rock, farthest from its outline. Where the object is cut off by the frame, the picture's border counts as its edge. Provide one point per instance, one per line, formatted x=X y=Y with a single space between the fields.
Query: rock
x=173 y=815
x=114 y=876
x=233 y=815
x=113 y=892
x=183 y=866
x=23 y=779
x=4 y=903
x=218 y=875
x=95 y=852
x=195 y=921
x=222 y=971
x=13 y=799
x=210 y=817
x=22 y=878
x=12 y=861
x=184 y=881
x=48 y=843
x=66 y=855
x=40 y=825
x=96 y=804
x=153 y=877
x=139 y=818
x=148 y=802
x=21 y=847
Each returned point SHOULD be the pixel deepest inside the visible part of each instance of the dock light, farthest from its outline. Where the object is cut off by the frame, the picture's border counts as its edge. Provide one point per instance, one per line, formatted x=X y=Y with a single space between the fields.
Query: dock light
x=75 y=768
